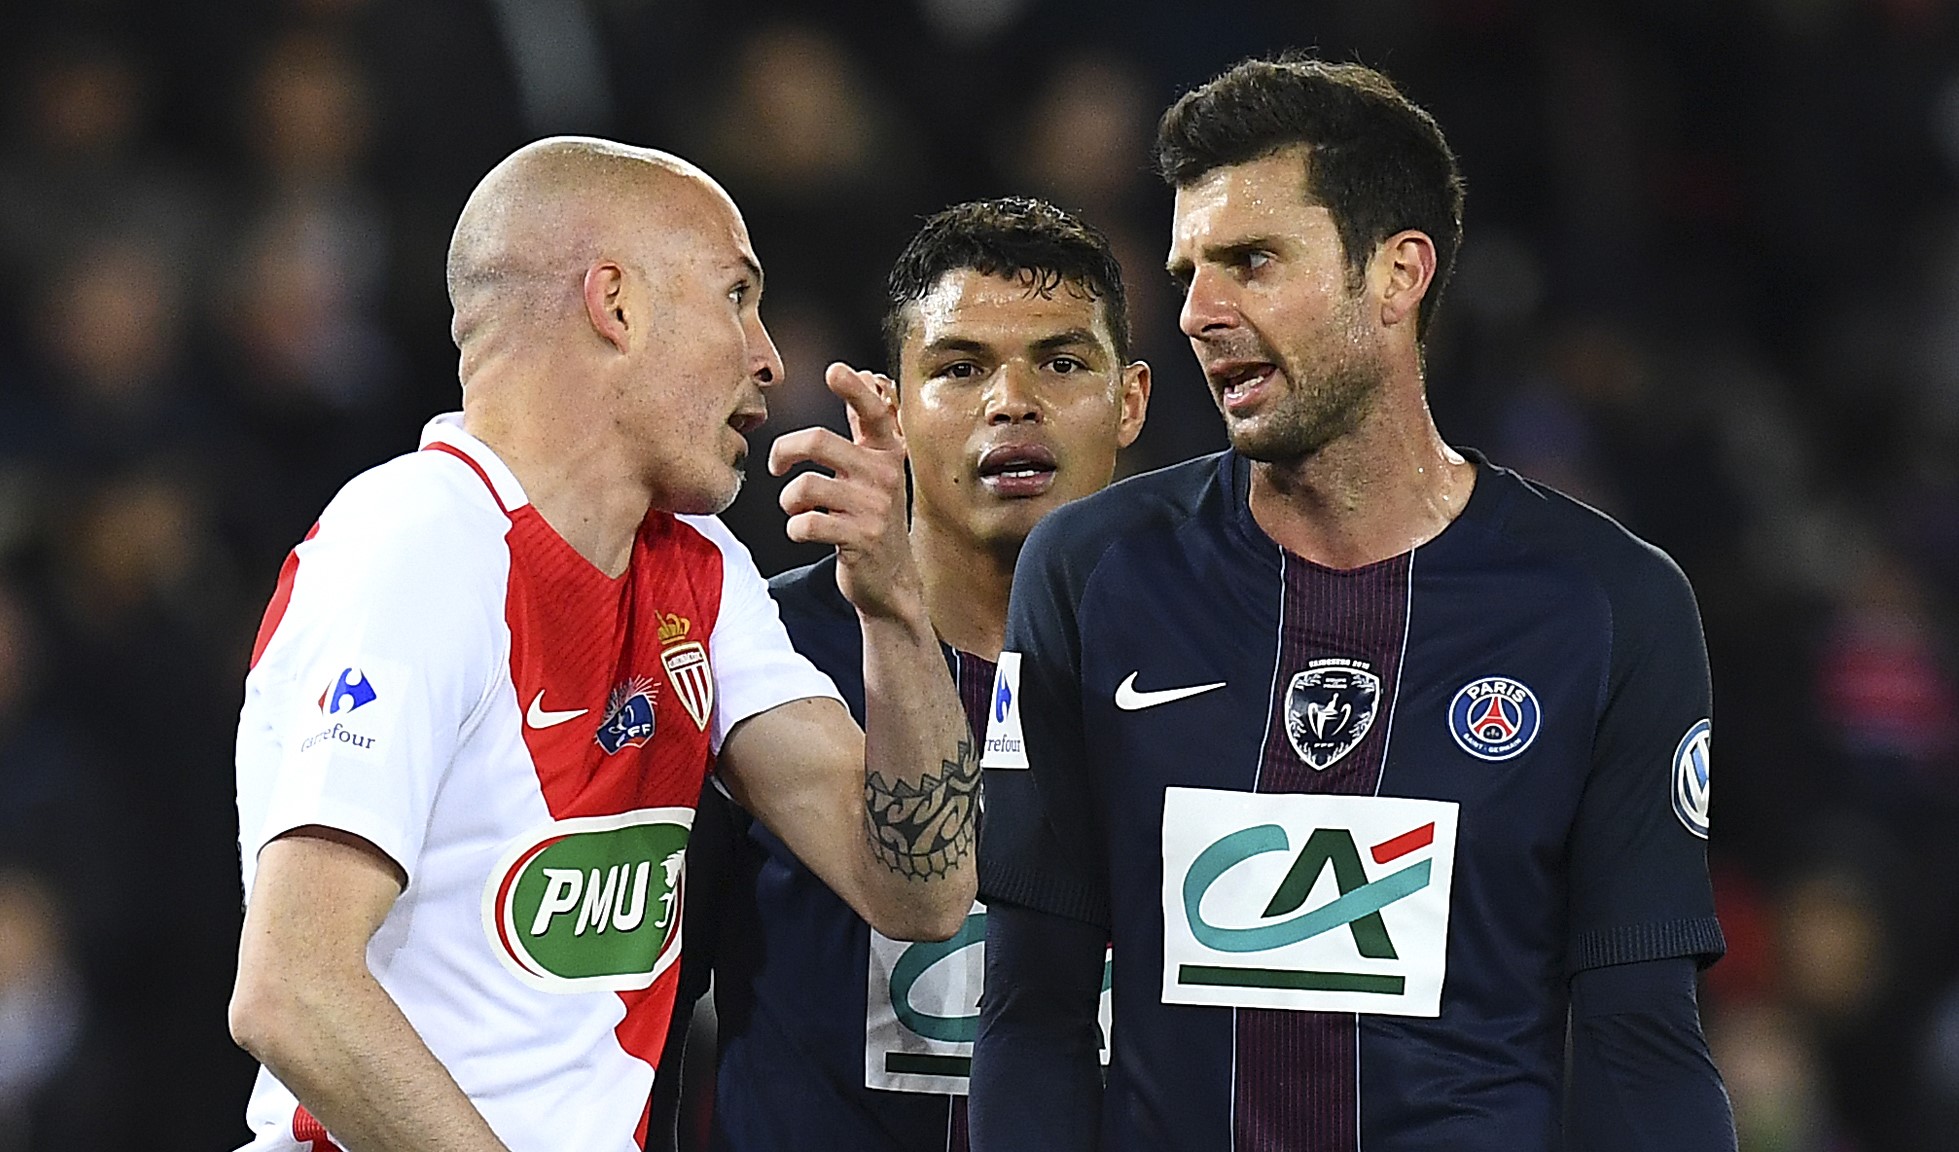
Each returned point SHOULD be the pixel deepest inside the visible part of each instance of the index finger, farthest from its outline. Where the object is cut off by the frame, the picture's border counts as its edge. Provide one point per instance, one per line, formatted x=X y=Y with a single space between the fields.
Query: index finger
x=873 y=416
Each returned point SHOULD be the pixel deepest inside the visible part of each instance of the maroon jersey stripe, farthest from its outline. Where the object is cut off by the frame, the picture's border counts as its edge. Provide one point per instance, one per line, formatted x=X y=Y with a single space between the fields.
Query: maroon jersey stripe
x=1296 y=1077
x=975 y=678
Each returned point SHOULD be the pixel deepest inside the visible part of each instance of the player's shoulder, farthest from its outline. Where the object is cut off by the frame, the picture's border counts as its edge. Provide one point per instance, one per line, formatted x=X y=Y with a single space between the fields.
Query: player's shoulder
x=1076 y=535
x=1634 y=574
x=424 y=500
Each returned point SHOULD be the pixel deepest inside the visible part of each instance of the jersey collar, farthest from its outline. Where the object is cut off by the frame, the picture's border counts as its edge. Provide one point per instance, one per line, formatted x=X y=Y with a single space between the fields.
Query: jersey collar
x=447 y=430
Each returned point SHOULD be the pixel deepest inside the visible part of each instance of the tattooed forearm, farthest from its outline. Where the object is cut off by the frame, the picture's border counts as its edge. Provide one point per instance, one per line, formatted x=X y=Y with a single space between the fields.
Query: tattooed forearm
x=922 y=830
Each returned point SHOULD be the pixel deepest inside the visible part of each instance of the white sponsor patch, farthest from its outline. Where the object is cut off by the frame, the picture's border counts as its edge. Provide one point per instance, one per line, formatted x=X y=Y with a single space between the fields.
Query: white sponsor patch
x=922 y=1010
x=1690 y=778
x=1304 y=901
x=1005 y=747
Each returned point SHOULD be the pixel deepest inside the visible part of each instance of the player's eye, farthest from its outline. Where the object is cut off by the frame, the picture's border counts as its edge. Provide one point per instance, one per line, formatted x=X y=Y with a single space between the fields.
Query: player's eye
x=960 y=370
x=1067 y=365
x=738 y=295
x=1254 y=259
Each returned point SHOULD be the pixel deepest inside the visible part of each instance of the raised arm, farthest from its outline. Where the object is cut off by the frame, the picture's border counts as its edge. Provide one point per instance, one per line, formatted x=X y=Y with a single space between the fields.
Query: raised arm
x=307 y=1007
x=885 y=816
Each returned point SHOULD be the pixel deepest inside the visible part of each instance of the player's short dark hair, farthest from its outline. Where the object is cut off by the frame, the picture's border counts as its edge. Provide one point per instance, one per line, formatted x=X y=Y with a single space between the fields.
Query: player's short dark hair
x=1012 y=237
x=1376 y=161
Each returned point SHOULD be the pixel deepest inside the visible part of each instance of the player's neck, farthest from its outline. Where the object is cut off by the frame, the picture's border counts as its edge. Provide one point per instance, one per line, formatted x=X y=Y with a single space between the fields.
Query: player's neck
x=966 y=587
x=571 y=477
x=1389 y=486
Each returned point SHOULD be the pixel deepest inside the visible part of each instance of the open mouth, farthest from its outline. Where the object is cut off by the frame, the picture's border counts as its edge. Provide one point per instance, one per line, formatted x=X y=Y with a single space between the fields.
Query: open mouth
x=747 y=421
x=1017 y=470
x=1240 y=382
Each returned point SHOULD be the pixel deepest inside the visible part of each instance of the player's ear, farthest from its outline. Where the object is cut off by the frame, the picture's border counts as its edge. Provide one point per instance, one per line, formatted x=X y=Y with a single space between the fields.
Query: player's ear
x=605 y=302
x=1133 y=404
x=1405 y=267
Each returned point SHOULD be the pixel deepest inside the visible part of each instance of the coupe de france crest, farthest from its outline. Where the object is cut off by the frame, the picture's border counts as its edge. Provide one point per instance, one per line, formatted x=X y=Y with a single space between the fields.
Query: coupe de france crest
x=1329 y=708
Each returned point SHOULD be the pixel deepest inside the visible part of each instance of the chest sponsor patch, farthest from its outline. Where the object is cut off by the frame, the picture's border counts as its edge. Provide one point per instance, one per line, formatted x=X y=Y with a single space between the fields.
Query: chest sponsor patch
x=593 y=903
x=1005 y=747
x=922 y=1010
x=1306 y=901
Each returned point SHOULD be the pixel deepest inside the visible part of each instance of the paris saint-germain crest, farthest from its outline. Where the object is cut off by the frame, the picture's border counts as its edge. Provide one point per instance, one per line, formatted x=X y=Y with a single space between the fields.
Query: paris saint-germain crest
x=1329 y=708
x=628 y=719
x=1494 y=717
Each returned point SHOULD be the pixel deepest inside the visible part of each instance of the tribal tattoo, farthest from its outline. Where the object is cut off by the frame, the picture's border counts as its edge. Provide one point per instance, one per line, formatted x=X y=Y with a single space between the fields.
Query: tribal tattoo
x=922 y=830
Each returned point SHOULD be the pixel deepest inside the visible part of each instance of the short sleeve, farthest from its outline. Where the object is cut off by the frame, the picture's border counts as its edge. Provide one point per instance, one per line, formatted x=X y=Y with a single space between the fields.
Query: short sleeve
x=1639 y=882
x=1039 y=834
x=755 y=666
x=382 y=649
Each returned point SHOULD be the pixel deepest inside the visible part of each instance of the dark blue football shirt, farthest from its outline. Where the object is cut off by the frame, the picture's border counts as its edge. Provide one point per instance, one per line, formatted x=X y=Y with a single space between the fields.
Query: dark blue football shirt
x=831 y=1036
x=1351 y=832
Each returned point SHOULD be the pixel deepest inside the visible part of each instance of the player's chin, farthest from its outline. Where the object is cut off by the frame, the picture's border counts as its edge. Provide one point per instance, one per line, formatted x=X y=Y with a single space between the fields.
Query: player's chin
x=710 y=496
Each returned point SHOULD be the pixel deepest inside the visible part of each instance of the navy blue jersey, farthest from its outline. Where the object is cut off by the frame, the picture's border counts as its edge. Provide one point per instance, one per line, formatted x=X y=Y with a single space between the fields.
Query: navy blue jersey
x=814 y=1007
x=1351 y=832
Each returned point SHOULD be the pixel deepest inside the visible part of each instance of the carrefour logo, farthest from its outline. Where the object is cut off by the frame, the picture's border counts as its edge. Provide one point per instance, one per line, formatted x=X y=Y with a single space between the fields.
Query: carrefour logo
x=1302 y=901
x=592 y=903
x=1004 y=746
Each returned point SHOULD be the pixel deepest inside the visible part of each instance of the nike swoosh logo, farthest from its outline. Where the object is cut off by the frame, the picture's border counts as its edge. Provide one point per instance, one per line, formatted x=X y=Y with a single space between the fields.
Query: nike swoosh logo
x=537 y=717
x=1130 y=699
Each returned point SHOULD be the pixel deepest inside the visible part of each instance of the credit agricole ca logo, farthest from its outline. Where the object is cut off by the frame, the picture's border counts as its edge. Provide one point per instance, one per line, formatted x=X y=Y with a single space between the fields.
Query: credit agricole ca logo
x=1303 y=901
x=593 y=903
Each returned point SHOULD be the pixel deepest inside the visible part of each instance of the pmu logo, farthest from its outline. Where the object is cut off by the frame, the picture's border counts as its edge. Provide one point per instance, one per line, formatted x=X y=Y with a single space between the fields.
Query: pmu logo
x=628 y=719
x=1494 y=717
x=592 y=903
x=347 y=693
x=1306 y=901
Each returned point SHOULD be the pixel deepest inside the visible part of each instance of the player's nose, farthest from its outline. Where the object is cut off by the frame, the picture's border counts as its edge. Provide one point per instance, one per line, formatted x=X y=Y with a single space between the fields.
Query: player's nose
x=1013 y=396
x=1208 y=306
x=765 y=363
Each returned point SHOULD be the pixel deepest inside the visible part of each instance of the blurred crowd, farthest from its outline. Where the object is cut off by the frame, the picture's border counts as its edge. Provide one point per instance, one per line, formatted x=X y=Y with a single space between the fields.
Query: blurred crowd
x=1710 y=284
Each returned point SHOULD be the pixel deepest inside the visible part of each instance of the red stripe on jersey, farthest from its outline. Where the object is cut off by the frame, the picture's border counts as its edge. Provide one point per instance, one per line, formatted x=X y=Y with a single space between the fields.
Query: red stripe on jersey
x=1403 y=844
x=473 y=466
x=310 y=1132
x=582 y=640
x=275 y=609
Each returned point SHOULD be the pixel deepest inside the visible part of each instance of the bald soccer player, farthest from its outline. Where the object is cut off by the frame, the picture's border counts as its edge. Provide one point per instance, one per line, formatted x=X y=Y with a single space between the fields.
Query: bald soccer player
x=491 y=681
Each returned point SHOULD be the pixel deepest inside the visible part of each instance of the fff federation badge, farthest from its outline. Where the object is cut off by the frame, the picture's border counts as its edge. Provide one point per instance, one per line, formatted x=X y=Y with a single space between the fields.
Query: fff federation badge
x=1329 y=708
x=1494 y=717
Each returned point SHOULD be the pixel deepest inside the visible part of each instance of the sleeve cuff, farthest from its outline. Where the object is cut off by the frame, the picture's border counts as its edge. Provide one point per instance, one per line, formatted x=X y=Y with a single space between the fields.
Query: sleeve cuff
x=1629 y=944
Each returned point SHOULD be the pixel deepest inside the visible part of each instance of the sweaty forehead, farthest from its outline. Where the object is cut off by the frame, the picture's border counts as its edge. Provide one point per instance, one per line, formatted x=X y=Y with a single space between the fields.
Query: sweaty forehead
x=1000 y=310
x=1266 y=196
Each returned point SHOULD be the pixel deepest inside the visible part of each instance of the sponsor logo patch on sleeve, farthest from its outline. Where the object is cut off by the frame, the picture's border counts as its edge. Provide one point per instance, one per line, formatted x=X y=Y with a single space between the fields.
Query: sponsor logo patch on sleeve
x=1005 y=747
x=1690 y=768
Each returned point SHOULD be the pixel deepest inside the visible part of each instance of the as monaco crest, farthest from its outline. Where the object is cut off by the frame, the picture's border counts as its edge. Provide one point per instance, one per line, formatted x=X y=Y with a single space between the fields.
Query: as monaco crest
x=688 y=671
x=1329 y=708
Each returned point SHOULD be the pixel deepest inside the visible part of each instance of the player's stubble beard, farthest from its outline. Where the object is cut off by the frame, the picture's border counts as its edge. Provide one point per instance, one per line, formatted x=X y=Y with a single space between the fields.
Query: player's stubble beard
x=1327 y=394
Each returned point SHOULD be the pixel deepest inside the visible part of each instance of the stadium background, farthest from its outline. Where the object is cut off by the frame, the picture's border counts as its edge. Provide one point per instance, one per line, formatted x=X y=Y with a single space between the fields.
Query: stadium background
x=1711 y=284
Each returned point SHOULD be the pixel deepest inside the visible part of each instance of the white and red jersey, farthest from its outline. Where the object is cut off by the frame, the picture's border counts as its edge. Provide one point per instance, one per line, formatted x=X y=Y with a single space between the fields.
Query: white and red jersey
x=440 y=674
